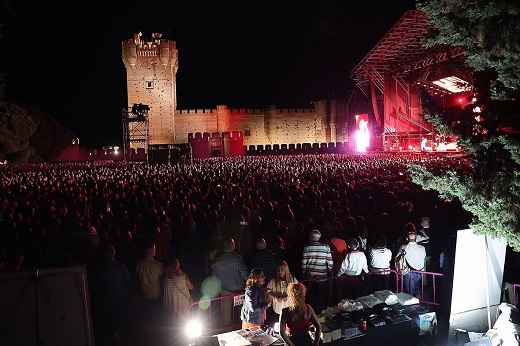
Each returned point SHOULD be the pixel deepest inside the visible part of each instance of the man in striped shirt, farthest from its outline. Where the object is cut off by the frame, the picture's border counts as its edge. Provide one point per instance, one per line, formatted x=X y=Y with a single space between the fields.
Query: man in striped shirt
x=317 y=264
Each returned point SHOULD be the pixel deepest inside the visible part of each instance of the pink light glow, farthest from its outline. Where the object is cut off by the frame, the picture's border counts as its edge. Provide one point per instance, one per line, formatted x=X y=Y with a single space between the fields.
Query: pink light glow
x=362 y=137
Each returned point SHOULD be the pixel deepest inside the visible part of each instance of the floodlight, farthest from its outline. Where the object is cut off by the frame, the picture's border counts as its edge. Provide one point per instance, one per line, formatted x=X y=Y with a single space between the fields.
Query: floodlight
x=193 y=329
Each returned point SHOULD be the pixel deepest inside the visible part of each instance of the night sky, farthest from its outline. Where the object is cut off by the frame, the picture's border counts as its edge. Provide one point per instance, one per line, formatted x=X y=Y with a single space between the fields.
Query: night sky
x=64 y=56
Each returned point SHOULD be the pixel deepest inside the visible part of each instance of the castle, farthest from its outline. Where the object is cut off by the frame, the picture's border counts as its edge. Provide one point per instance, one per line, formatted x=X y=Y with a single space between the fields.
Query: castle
x=151 y=80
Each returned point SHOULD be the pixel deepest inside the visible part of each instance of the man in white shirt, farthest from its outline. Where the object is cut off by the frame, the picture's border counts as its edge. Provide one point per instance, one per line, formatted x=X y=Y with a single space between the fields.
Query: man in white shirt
x=415 y=255
x=380 y=258
x=354 y=263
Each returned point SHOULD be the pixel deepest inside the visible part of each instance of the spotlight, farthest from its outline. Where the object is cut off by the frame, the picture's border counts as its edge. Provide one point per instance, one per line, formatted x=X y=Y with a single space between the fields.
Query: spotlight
x=140 y=110
x=193 y=329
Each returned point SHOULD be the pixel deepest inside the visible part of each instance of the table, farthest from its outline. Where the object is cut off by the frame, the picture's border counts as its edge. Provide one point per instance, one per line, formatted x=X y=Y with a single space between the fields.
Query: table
x=419 y=325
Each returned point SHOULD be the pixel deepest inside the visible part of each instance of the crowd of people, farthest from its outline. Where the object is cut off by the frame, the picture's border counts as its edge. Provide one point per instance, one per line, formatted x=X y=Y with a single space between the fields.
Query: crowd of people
x=135 y=225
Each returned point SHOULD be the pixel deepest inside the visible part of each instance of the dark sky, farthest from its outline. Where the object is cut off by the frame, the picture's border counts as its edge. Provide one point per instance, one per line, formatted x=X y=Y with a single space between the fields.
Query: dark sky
x=64 y=56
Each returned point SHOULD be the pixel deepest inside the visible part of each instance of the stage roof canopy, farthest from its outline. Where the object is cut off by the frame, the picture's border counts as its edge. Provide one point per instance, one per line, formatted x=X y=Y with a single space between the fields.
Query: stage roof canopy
x=401 y=52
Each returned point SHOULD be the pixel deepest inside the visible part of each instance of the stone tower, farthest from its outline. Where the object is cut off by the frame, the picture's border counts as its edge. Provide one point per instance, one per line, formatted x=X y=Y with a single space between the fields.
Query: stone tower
x=151 y=69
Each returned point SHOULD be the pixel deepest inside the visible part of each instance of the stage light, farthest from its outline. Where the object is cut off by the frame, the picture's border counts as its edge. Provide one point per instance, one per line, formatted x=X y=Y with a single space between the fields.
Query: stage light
x=193 y=329
x=460 y=100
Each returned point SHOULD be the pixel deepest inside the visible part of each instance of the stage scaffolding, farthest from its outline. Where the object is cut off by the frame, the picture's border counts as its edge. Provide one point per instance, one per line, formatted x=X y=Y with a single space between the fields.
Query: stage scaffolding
x=135 y=131
x=396 y=68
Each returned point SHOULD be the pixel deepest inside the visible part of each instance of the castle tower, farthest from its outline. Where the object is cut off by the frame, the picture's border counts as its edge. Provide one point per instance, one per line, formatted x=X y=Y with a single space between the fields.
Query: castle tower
x=151 y=69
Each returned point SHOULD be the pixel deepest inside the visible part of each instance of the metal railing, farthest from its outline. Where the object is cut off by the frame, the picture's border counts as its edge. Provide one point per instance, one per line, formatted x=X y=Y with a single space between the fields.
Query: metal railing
x=335 y=284
x=433 y=285
x=212 y=313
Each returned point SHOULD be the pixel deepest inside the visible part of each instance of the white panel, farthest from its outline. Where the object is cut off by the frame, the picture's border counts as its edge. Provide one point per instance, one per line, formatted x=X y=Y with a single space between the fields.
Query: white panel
x=470 y=275
x=478 y=274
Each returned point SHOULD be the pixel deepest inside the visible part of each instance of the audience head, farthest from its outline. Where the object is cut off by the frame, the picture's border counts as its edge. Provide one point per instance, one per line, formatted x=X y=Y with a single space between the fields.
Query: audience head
x=335 y=233
x=380 y=241
x=425 y=222
x=410 y=231
x=282 y=268
x=109 y=253
x=278 y=242
x=174 y=267
x=261 y=244
x=353 y=244
x=256 y=278
x=296 y=296
x=149 y=250
x=314 y=235
x=228 y=244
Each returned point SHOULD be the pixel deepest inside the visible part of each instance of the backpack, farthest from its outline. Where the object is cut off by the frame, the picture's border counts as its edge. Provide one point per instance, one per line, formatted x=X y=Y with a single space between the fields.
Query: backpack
x=401 y=265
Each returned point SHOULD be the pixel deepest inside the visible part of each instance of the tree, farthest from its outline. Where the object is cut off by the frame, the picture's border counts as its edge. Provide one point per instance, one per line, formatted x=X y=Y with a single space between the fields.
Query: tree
x=491 y=189
x=488 y=33
x=50 y=138
x=16 y=127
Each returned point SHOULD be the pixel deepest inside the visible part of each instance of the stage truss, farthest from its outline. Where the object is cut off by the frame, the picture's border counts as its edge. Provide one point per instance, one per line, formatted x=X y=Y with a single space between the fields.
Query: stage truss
x=400 y=56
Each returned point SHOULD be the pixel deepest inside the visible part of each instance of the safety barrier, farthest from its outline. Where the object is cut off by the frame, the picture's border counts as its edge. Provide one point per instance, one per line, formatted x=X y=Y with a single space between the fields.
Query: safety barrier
x=433 y=286
x=221 y=314
x=327 y=295
x=321 y=295
x=218 y=314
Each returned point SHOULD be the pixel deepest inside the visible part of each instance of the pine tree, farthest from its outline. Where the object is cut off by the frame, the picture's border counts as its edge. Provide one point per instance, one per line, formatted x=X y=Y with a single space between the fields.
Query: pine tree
x=490 y=190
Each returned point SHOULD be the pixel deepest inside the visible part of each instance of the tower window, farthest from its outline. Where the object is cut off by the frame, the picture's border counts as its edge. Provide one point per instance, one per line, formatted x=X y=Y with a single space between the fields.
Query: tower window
x=247 y=133
x=149 y=85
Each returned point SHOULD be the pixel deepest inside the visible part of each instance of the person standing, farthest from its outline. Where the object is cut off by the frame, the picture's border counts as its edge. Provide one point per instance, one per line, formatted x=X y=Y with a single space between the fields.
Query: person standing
x=296 y=319
x=176 y=297
x=423 y=238
x=263 y=258
x=380 y=257
x=114 y=280
x=253 y=311
x=363 y=236
x=338 y=248
x=354 y=263
x=149 y=273
x=277 y=287
x=230 y=269
x=317 y=264
x=415 y=255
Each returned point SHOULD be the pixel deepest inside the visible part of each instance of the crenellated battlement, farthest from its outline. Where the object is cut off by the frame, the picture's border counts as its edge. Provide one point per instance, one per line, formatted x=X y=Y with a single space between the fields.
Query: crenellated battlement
x=284 y=111
x=151 y=45
x=242 y=111
x=196 y=111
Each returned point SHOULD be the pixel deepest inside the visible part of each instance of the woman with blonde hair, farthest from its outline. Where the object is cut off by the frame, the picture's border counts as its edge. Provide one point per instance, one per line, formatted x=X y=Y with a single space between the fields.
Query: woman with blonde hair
x=177 y=286
x=295 y=320
x=255 y=301
x=277 y=287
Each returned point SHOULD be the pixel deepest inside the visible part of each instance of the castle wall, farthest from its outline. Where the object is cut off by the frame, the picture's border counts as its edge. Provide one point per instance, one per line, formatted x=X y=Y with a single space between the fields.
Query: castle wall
x=151 y=72
x=270 y=126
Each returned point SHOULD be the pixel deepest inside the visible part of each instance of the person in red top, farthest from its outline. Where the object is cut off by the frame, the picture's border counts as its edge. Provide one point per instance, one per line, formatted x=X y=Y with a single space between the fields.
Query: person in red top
x=338 y=248
x=295 y=320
